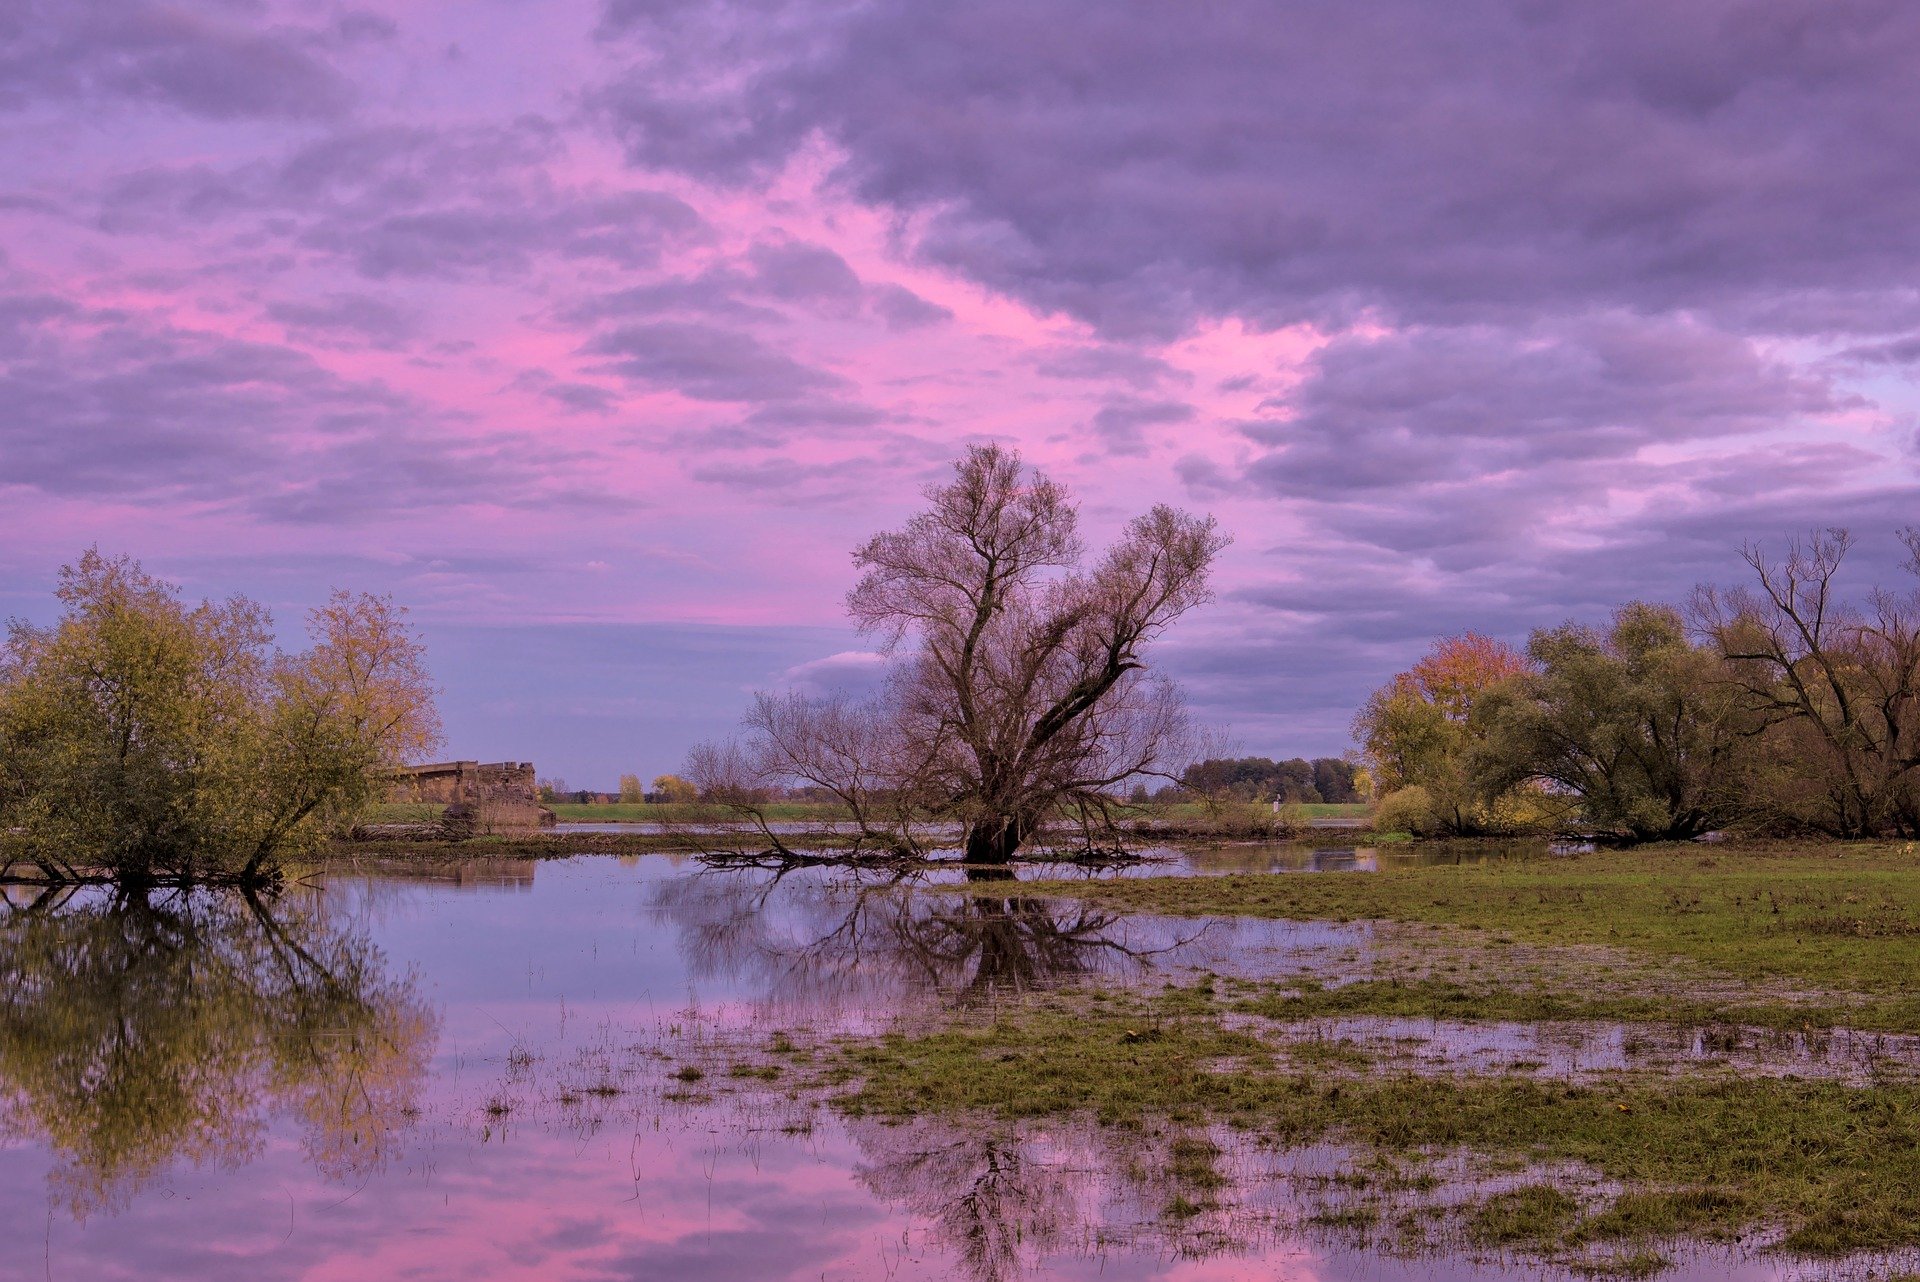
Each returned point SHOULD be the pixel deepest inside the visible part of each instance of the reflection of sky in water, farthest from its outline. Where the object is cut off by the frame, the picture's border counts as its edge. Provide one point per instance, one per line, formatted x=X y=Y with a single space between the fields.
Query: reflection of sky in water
x=548 y=977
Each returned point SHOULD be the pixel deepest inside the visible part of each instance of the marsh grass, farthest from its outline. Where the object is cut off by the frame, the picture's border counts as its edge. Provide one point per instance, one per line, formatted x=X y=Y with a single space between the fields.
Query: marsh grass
x=1827 y=1168
x=1522 y=1002
x=1840 y=917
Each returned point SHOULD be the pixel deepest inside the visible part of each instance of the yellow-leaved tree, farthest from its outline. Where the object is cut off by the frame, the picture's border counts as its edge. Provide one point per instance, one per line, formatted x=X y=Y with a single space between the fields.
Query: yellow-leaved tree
x=1419 y=731
x=146 y=740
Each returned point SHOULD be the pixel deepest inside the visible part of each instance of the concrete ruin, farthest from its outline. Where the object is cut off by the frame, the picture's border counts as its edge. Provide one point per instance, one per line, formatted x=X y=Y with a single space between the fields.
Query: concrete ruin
x=495 y=798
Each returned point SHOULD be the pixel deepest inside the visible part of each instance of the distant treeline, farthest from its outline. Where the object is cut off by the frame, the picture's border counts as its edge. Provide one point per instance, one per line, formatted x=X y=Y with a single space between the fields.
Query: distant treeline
x=1294 y=781
x=1776 y=707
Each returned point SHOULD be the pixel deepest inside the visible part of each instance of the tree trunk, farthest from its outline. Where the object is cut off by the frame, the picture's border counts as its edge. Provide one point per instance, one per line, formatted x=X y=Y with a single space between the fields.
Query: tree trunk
x=993 y=840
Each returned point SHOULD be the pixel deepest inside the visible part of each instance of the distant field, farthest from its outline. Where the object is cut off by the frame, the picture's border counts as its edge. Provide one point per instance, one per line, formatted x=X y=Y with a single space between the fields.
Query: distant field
x=640 y=812
x=805 y=811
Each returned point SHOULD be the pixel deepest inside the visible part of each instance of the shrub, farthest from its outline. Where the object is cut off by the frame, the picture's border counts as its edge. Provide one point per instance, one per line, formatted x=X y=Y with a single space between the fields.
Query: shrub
x=1408 y=810
x=146 y=740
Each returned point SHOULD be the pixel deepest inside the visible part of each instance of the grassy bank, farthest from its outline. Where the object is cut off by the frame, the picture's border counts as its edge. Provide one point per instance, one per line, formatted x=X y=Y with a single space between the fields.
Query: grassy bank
x=1843 y=917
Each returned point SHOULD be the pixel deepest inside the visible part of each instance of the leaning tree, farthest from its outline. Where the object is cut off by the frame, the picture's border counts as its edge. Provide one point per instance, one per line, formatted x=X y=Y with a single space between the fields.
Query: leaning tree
x=1019 y=690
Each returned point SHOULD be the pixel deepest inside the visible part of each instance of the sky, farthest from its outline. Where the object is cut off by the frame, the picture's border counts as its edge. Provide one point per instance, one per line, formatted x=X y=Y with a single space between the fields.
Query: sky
x=599 y=332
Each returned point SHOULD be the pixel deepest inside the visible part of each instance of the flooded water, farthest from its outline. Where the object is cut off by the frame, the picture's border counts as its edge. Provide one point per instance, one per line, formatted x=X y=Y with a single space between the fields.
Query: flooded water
x=1332 y=854
x=494 y=1073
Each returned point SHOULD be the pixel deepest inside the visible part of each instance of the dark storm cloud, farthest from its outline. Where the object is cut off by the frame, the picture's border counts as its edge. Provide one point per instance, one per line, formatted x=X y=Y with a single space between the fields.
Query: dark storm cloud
x=206 y=59
x=104 y=405
x=582 y=398
x=711 y=293
x=1139 y=164
x=807 y=279
x=486 y=238
x=706 y=363
x=1899 y=351
x=397 y=202
x=1425 y=406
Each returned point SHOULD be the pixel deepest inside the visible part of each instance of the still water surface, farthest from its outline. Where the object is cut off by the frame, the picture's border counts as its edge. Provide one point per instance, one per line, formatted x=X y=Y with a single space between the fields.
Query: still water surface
x=481 y=1076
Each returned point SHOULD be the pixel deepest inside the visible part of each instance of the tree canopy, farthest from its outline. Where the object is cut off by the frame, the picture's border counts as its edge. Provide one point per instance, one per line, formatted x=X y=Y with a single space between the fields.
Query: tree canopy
x=160 y=741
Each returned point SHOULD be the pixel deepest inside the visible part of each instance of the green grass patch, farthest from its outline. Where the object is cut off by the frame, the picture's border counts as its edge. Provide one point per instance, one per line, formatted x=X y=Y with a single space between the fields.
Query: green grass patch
x=1531 y=1213
x=1506 y=998
x=1836 y=1168
x=642 y=812
x=1843 y=917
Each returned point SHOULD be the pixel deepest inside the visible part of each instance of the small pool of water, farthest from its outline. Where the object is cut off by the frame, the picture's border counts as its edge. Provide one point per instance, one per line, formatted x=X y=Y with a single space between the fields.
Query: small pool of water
x=460 y=1077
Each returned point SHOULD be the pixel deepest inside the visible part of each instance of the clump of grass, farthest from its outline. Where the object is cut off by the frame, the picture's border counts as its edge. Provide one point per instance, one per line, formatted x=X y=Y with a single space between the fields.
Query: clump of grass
x=1182 y=1207
x=688 y=1073
x=1631 y=1265
x=1665 y=1213
x=1327 y=1053
x=763 y=1072
x=1191 y=1160
x=1532 y=1213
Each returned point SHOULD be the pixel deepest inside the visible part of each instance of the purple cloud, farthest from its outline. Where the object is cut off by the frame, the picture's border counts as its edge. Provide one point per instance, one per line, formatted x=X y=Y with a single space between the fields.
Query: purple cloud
x=205 y=59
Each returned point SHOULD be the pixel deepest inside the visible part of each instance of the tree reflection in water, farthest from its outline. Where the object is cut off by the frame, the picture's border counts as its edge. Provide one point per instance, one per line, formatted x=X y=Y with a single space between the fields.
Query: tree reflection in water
x=820 y=942
x=1004 y=1197
x=988 y=1197
x=824 y=941
x=139 y=1034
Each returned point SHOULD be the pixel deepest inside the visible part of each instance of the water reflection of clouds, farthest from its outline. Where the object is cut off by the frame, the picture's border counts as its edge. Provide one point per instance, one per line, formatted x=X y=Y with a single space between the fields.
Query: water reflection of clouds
x=580 y=972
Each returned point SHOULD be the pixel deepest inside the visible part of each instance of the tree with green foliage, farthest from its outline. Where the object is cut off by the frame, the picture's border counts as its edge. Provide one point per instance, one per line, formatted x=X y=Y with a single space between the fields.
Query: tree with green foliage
x=1261 y=779
x=1635 y=727
x=145 y=740
x=1420 y=731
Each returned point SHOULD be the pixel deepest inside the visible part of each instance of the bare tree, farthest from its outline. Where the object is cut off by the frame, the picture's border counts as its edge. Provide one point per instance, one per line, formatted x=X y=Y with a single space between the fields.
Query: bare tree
x=1833 y=688
x=1020 y=691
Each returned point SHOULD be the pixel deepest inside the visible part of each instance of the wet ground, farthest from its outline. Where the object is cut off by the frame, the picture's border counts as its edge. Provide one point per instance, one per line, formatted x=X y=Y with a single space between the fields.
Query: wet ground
x=502 y=1072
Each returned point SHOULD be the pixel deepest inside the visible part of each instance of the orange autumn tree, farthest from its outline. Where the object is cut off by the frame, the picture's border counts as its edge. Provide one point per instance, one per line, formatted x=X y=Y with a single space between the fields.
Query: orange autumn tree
x=1419 y=731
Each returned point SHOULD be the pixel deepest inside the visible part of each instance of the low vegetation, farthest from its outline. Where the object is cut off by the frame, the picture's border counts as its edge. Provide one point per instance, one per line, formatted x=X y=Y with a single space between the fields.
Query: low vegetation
x=1822 y=1167
x=1844 y=918
x=1601 y=1170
